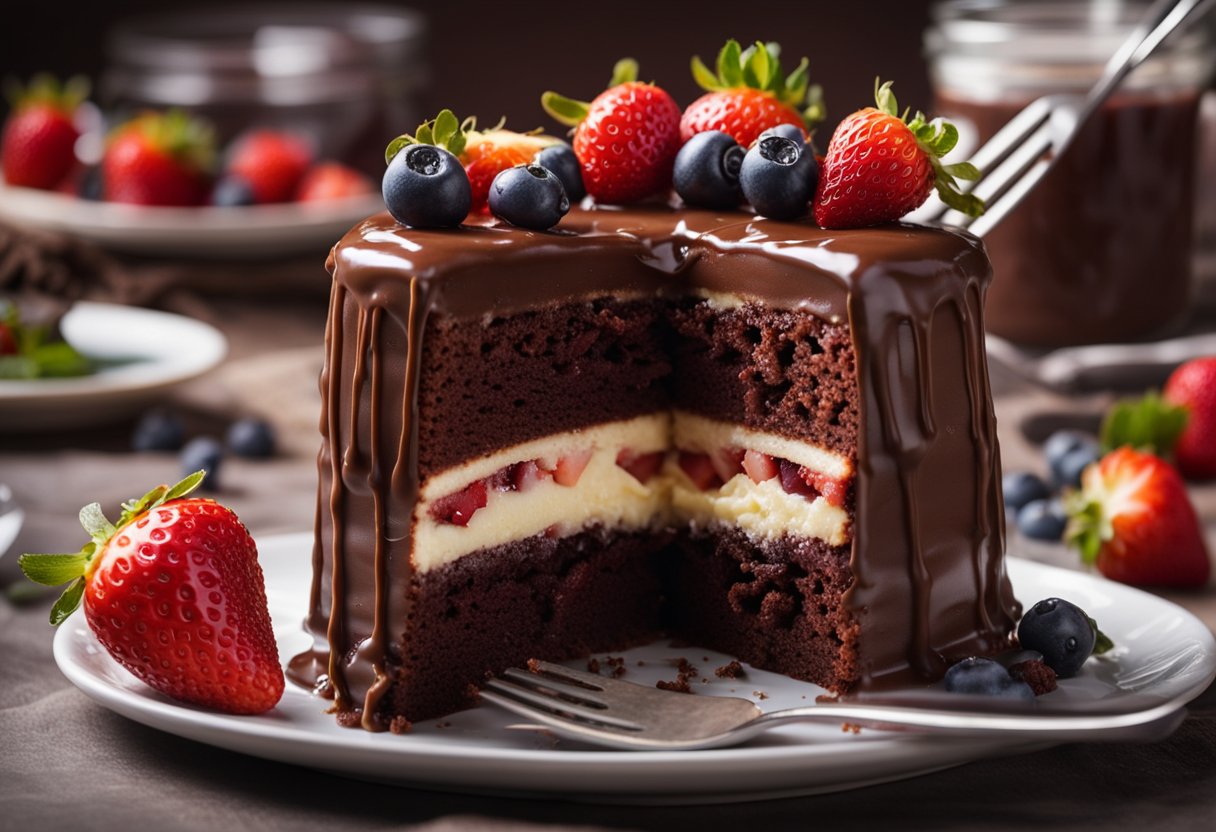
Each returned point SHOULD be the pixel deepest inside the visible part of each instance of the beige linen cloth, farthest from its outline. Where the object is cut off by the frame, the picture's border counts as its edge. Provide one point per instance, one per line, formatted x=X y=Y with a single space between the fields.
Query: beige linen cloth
x=70 y=764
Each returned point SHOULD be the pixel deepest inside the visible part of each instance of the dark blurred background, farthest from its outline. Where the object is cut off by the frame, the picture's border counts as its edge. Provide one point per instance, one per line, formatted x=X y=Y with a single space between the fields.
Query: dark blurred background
x=492 y=59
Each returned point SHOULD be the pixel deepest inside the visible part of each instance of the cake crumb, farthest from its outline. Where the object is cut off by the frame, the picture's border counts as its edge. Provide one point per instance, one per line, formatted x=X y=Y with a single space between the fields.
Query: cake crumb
x=400 y=725
x=472 y=694
x=1039 y=676
x=641 y=663
x=350 y=719
x=686 y=668
x=617 y=663
x=444 y=724
x=704 y=681
x=734 y=670
x=679 y=685
x=593 y=665
x=534 y=665
x=705 y=659
x=759 y=694
x=850 y=728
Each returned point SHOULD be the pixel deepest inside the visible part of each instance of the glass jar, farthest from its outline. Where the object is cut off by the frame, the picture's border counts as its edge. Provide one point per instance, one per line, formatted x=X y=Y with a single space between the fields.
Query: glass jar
x=345 y=75
x=1102 y=249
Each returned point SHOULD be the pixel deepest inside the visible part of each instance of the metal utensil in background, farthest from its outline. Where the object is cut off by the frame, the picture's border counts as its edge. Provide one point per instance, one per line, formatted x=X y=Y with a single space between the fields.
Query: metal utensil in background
x=11 y=518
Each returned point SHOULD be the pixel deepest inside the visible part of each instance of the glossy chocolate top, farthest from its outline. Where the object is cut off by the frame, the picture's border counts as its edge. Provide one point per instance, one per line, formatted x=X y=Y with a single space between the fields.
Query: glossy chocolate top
x=787 y=264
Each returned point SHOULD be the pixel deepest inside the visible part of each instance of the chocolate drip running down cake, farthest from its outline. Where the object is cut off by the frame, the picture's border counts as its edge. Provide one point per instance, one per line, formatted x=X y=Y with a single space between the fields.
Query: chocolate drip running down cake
x=769 y=439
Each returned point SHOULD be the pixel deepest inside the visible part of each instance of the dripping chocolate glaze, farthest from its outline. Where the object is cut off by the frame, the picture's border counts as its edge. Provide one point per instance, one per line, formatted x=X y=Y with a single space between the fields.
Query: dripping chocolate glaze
x=928 y=463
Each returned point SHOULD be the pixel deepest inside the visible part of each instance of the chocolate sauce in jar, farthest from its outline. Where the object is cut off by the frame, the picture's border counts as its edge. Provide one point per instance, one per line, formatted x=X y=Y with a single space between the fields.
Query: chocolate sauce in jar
x=1102 y=250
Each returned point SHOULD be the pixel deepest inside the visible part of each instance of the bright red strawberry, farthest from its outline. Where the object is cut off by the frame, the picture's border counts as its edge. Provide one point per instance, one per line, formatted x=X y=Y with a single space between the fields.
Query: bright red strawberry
x=38 y=148
x=459 y=508
x=1193 y=386
x=8 y=342
x=272 y=162
x=642 y=467
x=749 y=94
x=879 y=167
x=570 y=467
x=332 y=180
x=158 y=159
x=626 y=140
x=175 y=594
x=760 y=467
x=1134 y=519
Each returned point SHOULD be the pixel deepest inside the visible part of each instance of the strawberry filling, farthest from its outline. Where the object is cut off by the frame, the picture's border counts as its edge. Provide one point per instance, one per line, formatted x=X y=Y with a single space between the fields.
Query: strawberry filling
x=709 y=471
x=642 y=467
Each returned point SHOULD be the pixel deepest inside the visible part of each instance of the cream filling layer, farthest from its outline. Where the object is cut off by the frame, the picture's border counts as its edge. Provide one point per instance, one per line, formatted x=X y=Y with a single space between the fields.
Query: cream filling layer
x=605 y=493
x=697 y=433
x=762 y=509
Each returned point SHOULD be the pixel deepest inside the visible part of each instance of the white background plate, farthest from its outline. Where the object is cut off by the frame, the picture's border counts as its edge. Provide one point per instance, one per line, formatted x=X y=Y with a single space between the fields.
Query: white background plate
x=253 y=231
x=155 y=351
x=1163 y=650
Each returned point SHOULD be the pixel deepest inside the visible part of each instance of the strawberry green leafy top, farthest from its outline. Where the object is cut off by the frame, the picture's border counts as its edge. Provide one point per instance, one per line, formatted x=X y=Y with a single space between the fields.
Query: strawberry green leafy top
x=758 y=67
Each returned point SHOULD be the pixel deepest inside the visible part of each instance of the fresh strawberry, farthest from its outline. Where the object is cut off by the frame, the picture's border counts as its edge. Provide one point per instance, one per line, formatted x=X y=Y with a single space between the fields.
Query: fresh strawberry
x=760 y=467
x=158 y=159
x=879 y=167
x=272 y=162
x=642 y=467
x=175 y=594
x=1193 y=386
x=833 y=490
x=626 y=140
x=727 y=462
x=571 y=466
x=749 y=94
x=1133 y=518
x=38 y=147
x=793 y=481
x=526 y=475
x=332 y=180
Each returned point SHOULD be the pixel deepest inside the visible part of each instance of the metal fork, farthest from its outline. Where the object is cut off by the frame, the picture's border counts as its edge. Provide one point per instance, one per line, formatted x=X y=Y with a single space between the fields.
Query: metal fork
x=609 y=712
x=1013 y=161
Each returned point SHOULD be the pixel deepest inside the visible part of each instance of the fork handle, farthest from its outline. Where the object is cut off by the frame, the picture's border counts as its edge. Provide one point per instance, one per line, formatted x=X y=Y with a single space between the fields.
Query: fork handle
x=1146 y=725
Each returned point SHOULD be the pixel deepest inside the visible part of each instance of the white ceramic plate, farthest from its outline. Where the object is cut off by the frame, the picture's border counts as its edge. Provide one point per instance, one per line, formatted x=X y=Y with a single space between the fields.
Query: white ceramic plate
x=254 y=231
x=143 y=353
x=1163 y=650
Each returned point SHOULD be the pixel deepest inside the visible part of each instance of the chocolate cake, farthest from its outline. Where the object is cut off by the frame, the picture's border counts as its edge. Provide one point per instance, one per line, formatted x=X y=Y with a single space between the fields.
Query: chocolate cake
x=762 y=437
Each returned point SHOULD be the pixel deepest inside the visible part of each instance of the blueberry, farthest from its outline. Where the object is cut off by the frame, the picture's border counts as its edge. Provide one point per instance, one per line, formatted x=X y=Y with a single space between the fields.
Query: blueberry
x=92 y=185
x=253 y=438
x=426 y=187
x=1060 y=444
x=778 y=177
x=562 y=163
x=706 y=173
x=1067 y=470
x=1061 y=632
x=986 y=678
x=1042 y=520
x=785 y=131
x=158 y=430
x=232 y=192
x=203 y=454
x=1021 y=487
x=528 y=196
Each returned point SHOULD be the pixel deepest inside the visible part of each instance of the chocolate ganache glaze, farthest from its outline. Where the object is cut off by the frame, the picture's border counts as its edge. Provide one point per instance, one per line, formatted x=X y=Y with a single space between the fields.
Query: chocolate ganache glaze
x=927 y=545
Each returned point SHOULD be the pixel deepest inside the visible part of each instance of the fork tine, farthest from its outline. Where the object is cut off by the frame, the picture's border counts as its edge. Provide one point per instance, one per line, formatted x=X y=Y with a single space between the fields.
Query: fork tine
x=578 y=677
x=527 y=702
x=571 y=693
x=1002 y=187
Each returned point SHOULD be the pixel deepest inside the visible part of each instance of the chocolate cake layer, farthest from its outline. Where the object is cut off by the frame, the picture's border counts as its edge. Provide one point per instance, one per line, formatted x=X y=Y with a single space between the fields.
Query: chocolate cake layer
x=927 y=532
x=778 y=605
x=498 y=382
x=785 y=371
x=543 y=598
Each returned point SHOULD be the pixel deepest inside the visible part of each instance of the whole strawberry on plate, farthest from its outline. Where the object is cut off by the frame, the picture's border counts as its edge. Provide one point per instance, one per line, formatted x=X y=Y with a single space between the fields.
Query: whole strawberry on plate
x=1133 y=518
x=159 y=159
x=879 y=166
x=175 y=594
x=1193 y=387
x=332 y=180
x=626 y=140
x=749 y=94
x=38 y=148
x=272 y=162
